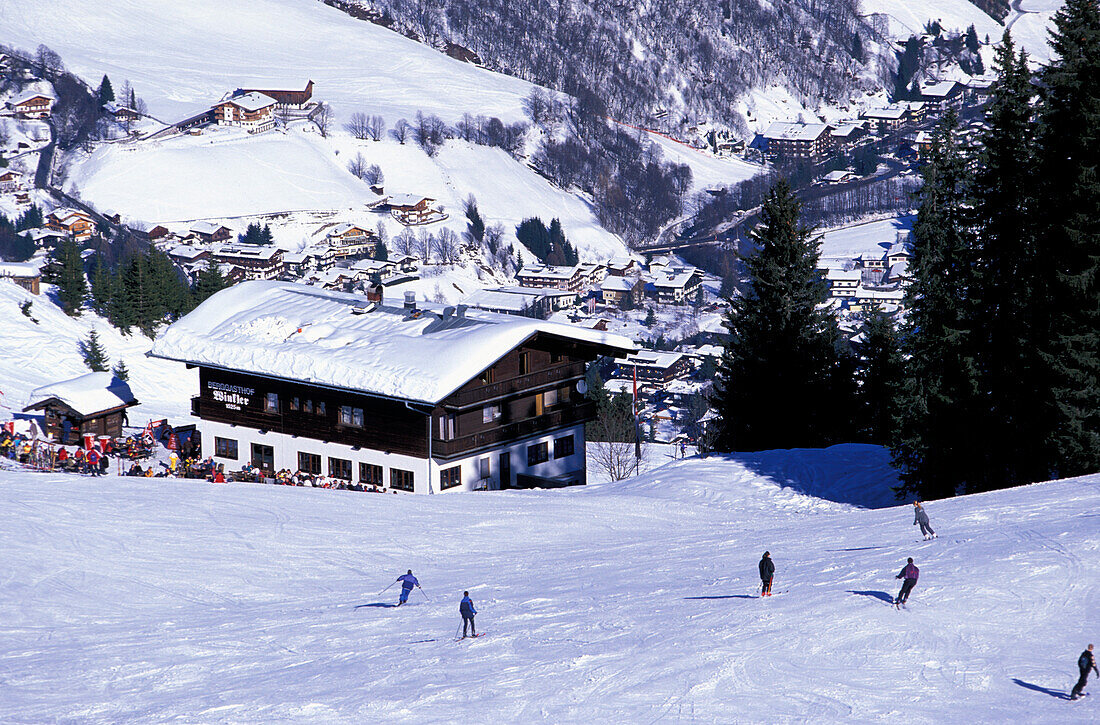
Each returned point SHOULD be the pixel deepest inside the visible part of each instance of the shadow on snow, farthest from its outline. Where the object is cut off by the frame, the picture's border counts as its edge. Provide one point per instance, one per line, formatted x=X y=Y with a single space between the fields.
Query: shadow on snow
x=1038 y=688
x=881 y=596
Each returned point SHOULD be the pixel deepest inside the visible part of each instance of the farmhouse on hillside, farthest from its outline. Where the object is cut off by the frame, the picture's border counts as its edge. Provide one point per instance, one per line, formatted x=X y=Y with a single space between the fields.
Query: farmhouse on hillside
x=32 y=105
x=250 y=111
x=413 y=209
x=77 y=224
x=293 y=377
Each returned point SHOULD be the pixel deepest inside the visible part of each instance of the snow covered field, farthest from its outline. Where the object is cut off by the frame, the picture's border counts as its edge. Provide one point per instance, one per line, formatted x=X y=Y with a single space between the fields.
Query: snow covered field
x=125 y=600
x=907 y=18
x=846 y=243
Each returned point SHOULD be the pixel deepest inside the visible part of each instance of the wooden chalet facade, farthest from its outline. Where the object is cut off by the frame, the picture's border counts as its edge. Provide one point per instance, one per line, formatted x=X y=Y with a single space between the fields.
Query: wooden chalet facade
x=92 y=404
x=350 y=240
x=34 y=105
x=252 y=111
x=257 y=261
x=73 y=222
x=412 y=210
x=517 y=421
x=284 y=98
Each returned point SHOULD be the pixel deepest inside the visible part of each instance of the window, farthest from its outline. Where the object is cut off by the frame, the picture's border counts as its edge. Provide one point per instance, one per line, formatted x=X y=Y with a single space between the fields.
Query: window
x=320 y=407
x=564 y=394
x=550 y=397
x=484 y=468
x=401 y=480
x=307 y=406
x=487 y=376
x=537 y=453
x=563 y=447
x=540 y=404
x=524 y=363
x=490 y=413
x=271 y=403
x=339 y=468
x=370 y=474
x=294 y=404
x=309 y=463
x=225 y=448
x=450 y=477
x=447 y=427
x=556 y=357
x=351 y=416
x=263 y=457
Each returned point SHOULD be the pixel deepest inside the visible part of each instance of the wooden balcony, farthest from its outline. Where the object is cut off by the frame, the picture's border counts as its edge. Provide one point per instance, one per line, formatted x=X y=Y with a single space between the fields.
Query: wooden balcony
x=465 y=445
x=502 y=388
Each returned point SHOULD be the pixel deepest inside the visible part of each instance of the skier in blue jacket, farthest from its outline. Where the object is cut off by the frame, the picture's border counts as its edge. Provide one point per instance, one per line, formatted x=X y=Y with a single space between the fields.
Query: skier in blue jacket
x=466 y=609
x=408 y=581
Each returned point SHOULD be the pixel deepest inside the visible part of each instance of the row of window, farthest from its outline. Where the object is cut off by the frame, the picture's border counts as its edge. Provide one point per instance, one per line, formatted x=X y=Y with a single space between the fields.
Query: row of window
x=540 y=452
x=271 y=405
x=369 y=473
x=489 y=375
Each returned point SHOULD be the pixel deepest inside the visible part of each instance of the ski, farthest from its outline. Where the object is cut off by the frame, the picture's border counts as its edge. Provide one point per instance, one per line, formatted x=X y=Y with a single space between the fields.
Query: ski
x=472 y=636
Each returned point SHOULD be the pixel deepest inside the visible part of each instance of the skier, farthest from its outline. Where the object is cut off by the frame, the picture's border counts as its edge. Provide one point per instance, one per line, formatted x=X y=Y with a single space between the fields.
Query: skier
x=909 y=574
x=767 y=571
x=921 y=517
x=408 y=581
x=1085 y=663
x=466 y=609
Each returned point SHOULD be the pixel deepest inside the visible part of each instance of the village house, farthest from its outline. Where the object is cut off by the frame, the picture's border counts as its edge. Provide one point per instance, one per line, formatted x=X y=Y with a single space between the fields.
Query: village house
x=898 y=273
x=679 y=287
x=32 y=105
x=899 y=250
x=841 y=176
x=870 y=260
x=251 y=111
x=258 y=261
x=846 y=135
x=511 y=301
x=93 y=404
x=363 y=397
x=917 y=110
x=350 y=240
x=653 y=366
x=112 y=216
x=413 y=209
x=77 y=224
x=843 y=282
x=283 y=98
x=23 y=274
x=887 y=120
x=209 y=232
x=593 y=273
x=157 y=232
x=45 y=237
x=558 y=277
x=621 y=266
x=10 y=181
x=184 y=254
x=801 y=141
x=942 y=95
x=299 y=263
x=375 y=270
x=622 y=291
x=407 y=263
x=121 y=113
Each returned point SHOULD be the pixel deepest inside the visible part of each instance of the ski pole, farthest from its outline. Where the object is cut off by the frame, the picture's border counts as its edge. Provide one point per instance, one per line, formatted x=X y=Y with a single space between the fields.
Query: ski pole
x=457 y=631
x=384 y=590
x=422 y=592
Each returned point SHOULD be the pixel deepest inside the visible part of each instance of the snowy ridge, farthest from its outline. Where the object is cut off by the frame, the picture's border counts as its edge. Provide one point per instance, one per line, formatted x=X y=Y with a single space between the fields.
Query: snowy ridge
x=151 y=600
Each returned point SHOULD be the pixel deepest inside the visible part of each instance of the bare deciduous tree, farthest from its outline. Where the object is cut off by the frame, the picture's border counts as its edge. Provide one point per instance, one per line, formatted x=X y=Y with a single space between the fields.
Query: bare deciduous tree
x=358 y=166
x=358 y=125
x=612 y=446
x=405 y=242
x=322 y=117
x=401 y=130
x=424 y=245
x=446 y=246
x=376 y=127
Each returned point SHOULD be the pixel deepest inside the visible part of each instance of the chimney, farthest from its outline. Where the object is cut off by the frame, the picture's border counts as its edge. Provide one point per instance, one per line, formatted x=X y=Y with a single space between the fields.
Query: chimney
x=460 y=311
x=447 y=312
x=410 y=301
x=374 y=293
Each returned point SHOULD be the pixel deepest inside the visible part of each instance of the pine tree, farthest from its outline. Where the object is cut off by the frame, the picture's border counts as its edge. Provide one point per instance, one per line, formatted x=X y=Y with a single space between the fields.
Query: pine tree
x=208 y=281
x=650 y=318
x=95 y=357
x=120 y=371
x=1008 y=294
x=972 y=39
x=475 y=225
x=102 y=288
x=380 y=251
x=72 y=287
x=105 y=93
x=776 y=383
x=939 y=403
x=879 y=374
x=1069 y=243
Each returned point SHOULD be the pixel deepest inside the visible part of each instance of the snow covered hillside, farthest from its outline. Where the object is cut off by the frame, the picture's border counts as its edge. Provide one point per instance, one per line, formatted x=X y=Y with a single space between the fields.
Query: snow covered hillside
x=908 y=18
x=128 y=600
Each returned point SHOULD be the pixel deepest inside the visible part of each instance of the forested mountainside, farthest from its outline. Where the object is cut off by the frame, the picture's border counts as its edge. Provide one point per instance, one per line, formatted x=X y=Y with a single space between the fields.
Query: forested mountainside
x=998 y=9
x=644 y=57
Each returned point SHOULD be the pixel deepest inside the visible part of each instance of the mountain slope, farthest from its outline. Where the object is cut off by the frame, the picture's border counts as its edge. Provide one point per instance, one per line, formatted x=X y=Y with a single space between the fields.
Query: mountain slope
x=155 y=600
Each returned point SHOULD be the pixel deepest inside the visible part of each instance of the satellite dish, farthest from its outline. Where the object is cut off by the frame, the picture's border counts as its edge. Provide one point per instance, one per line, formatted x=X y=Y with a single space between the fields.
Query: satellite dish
x=582 y=386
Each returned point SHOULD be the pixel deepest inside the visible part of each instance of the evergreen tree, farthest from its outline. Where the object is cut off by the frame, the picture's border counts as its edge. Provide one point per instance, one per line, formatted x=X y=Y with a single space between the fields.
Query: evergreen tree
x=777 y=381
x=1008 y=294
x=972 y=39
x=1069 y=243
x=102 y=288
x=31 y=219
x=879 y=374
x=939 y=403
x=105 y=93
x=650 y=318
x=534 y=235
x=72 y=287
x=95 y=357
x=208 y=281
x=475 y=225
x=380 y=251
x=120 y=370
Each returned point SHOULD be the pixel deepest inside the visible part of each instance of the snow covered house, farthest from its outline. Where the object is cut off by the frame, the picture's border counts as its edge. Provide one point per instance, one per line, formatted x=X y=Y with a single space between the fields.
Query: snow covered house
x=413 y=398
x=10 y=181
x=380 y=270
x=943 y=95
x=350 y=240
x=653 y=366
x=889 y=119
x=808 y=141
x=251 y=111
x=678 y=287
x=551 y=276
x=208 y=232
x=93 y=404
x=32 y=105
x=843 y=282
x=511 y=301
x=259 y=261
x=413 y=209
x=25 y=274
x=77 y=224
x=622 y=290
x=283 y=98
x=840 y=176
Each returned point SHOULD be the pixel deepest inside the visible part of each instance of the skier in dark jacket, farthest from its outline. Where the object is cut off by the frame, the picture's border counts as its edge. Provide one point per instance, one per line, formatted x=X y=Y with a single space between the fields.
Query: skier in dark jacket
x=920 y=517
x=909 y=573
x=408 y=581
x=1085 y=663
x=767 y=571
x=466 y=609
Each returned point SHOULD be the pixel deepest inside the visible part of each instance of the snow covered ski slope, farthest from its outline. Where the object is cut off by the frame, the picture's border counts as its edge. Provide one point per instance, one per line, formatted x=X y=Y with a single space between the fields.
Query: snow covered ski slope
x=125 y=600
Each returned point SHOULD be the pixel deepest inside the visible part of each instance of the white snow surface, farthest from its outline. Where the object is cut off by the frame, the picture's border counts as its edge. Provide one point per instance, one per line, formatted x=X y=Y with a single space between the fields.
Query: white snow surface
x=907 y=17
x=87 y=394
x=158 y=600
x=297 y=332
x=843 y=244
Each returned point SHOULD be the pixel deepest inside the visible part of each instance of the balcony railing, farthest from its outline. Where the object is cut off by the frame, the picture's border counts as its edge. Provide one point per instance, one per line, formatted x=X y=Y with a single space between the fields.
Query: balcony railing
x=578 y=413
x=499 y=389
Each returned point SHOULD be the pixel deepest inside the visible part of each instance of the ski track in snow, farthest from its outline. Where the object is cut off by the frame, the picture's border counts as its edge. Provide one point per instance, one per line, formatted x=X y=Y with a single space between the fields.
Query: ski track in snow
x=124 y=600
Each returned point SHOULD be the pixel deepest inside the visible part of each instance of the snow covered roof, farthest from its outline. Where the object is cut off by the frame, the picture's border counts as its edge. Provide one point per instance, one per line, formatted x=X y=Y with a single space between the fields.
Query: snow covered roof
x=549 y=271
x=246 y=251
x=837 y=175
x=847 y=129
x=890 y=113
x=618 y=284
x=795 y=131
x=372 y=265
x=87 y=394
x=502 y=300
x=186 y=252
x=296 y=332
x=204 y=227
x=296 y=257
x=676 y=281
x=899 y=269
x=892 y=295
x=939 y=90
x=408 y=199
x=652 y=358
x=843 y=275
x=18 y=269
x=252 y=101
x=898 y=249
x=31 y=95
x=66 y=215
x=344 y=228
